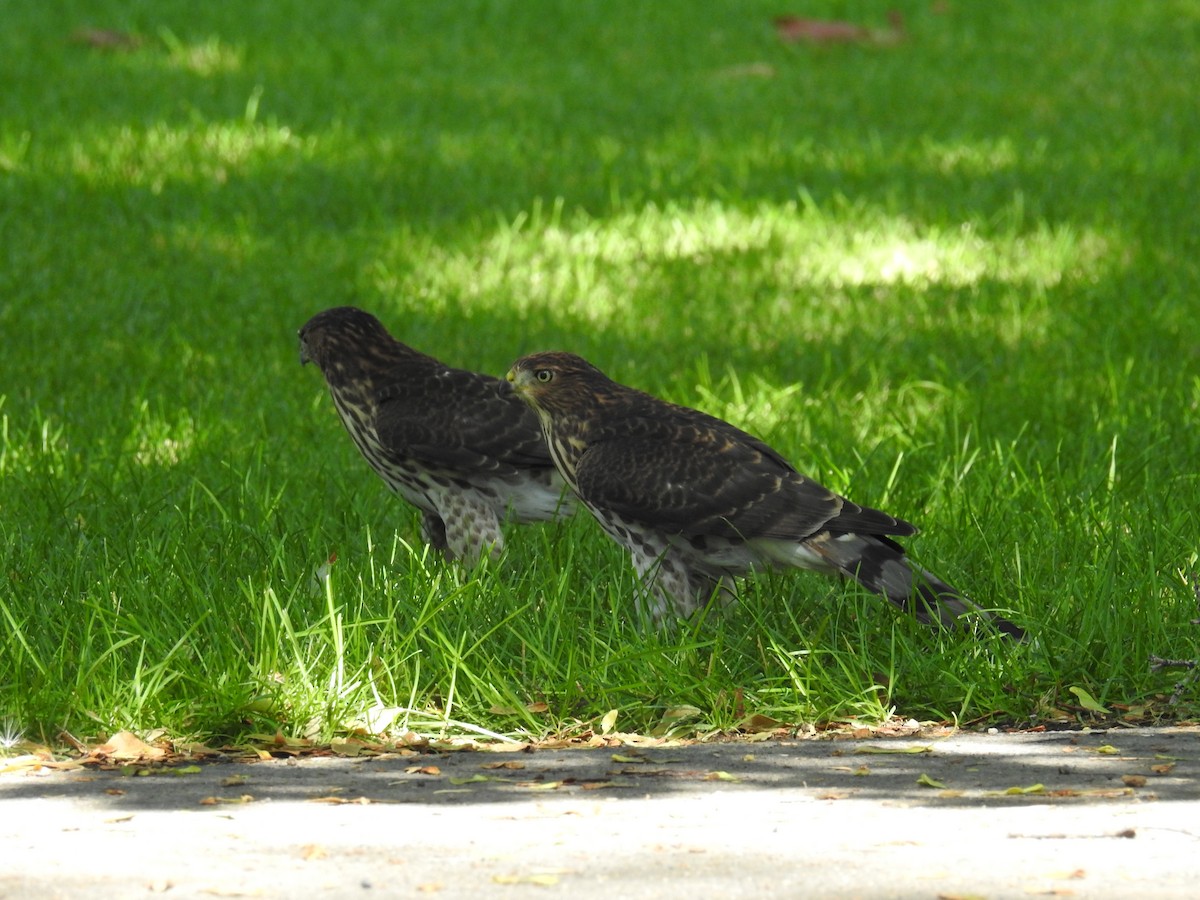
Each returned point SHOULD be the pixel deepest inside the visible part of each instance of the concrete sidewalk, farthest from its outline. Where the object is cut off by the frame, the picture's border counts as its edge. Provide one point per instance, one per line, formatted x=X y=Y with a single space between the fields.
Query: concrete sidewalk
x=1117 y=815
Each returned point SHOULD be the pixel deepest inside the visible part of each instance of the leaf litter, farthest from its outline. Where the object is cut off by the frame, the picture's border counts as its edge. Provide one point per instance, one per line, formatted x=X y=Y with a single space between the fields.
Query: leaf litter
x=139 y=757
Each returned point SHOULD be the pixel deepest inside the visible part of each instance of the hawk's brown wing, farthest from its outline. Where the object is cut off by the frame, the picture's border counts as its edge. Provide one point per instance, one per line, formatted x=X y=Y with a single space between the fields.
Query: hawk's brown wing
x=462 y=420
x=697 y=477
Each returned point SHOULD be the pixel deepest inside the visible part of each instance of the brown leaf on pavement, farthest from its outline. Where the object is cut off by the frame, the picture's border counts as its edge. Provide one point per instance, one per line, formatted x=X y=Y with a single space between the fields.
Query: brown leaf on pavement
x=423 y=770
x=127 y=747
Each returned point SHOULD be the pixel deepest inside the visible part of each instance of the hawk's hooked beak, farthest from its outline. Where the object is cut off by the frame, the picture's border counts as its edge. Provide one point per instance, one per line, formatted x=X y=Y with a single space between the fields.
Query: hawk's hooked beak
x=520 y=380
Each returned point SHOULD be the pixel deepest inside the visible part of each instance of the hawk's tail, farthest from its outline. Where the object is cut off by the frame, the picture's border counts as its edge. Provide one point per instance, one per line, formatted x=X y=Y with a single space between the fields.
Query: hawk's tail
x=879 y=564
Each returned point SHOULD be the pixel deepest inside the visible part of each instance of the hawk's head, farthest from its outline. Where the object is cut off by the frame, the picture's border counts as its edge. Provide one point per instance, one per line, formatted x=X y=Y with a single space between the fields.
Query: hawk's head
x=340 y=330
x=558 y=384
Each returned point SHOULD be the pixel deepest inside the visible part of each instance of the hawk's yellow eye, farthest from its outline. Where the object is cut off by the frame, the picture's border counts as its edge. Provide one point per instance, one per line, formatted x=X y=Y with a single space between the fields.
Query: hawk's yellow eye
x=545 y=376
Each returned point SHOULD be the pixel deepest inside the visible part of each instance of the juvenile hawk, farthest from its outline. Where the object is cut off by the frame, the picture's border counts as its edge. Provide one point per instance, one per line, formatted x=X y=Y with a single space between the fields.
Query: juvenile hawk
x=698 y=502
x=458 y=445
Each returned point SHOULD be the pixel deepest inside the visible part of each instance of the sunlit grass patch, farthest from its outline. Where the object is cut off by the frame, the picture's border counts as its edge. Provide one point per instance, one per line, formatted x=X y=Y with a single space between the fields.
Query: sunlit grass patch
x=978 y=158
x=158 y=442
x=29 y=447
x=604 y=272
x=210 y=56
x=162 y=154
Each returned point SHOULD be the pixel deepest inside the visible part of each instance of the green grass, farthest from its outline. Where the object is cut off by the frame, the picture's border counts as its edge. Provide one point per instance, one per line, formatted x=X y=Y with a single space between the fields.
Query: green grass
x=956 y=278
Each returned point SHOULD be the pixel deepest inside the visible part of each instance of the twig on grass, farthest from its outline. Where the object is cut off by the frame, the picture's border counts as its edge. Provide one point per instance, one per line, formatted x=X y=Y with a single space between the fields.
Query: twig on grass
x=1158 y=663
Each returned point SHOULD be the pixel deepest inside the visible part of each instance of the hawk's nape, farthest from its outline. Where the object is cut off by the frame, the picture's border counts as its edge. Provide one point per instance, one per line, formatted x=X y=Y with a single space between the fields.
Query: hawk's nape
x=698 y=502
x=458 y=445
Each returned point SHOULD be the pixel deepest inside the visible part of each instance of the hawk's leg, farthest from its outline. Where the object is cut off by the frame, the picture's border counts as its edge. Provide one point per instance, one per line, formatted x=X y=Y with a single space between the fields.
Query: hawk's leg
x=433 y=531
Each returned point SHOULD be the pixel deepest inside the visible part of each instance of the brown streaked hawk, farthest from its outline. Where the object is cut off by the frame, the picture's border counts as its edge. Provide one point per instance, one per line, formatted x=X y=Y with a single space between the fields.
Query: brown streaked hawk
x=698 y=502
x=456 y=444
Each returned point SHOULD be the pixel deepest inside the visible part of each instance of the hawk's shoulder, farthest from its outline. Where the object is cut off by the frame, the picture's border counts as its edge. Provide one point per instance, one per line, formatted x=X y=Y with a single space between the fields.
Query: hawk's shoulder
x=459 y=418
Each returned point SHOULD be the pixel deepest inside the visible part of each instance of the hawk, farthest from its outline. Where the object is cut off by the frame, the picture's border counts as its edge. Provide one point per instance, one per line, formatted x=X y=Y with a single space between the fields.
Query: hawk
x=458 y=445
x=698 y=502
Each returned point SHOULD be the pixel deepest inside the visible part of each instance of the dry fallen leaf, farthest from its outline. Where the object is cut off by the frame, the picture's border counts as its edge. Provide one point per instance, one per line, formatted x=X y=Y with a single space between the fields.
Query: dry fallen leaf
x=214 y=801
x=1134 y=780
x=195 y=749
x=233 y=892
x=758 y=737
x=129 y=747
x=350 y=747
x=758 y=722
x=1073 y=875
x=539 y=879
x=834 y=795
x=1069 y=792
x=423 y=770
x=721 y=776
x=792 y=29
x=817 y=31
x=504 y=747
x=36 y=762
x=928 y=781
x=105 y=39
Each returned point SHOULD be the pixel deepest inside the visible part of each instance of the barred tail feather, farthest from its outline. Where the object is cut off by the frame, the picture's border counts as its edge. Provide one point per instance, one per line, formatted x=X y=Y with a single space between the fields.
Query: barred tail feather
x=936 y=598
x=879 y=564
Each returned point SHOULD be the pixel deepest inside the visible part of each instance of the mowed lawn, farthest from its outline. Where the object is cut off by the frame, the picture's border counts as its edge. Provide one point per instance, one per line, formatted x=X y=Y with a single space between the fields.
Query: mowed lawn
x=954 y=275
